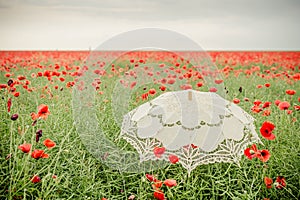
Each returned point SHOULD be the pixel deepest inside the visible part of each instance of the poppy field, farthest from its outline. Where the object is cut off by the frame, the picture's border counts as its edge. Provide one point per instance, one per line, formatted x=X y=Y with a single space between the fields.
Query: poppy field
x=43 y=157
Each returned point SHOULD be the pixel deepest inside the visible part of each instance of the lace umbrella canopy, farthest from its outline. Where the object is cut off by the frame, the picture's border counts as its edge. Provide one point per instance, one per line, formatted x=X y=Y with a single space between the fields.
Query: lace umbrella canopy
x=196 y=127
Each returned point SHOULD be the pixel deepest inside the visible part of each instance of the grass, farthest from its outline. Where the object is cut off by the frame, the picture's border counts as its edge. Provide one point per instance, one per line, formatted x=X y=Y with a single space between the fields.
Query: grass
x=82 y=176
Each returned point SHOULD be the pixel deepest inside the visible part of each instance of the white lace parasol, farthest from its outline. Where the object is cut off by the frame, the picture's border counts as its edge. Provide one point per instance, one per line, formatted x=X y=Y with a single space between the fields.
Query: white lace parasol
x=197 y=127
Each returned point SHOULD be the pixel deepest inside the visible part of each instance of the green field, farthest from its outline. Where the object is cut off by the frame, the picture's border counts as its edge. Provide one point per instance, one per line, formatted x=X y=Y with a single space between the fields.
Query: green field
x=79 y=175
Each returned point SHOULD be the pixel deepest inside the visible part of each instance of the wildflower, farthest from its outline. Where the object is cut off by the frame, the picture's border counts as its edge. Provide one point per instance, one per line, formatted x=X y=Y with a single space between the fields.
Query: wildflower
x=219 y=81
x=159 y=195
x=267 y=104
x=199 y=84
x=268 y=182
x=49 y=143
x=284 y=105
x=173 y=159
x=152 y=91
x=151 y=178
x=280 y=182
x=170 y=182
x=43 y=112
x=37 y=154
x=290 y=92
x=266 y=130
x=277 y=102
x=213 y=89
x=35 y=179
x=158 y=151
x=251 y=152
x=162 y=88
x=263 y=155
x=25 y=147
x=236 y=101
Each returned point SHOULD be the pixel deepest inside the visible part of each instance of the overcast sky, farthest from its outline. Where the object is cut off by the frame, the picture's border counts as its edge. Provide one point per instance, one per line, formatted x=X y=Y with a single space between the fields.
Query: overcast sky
x=213 y=24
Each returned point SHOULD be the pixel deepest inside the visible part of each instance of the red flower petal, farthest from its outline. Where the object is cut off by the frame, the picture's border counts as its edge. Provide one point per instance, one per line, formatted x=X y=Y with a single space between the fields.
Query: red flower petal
x=280 y=182
x=151 y=178
x=173 y=158
x=25 y=147
x=284 y=105
x=170 y=182
x=268 y=182
x=35 y=179
x=158 y=151
x=158 y=194
x=49 y=143
x=263 y=155
x=266 y=130
x=37 y=154
x=157 y=184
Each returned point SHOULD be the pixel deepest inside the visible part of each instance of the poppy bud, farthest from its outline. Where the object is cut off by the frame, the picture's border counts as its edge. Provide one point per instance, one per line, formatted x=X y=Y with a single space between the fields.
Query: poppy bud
x=10 y=82
x=14 y=117
x=38 y=135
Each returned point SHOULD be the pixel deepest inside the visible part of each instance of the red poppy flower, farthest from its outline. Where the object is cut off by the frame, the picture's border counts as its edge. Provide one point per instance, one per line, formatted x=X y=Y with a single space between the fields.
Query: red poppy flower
x=296 y=107
x=37 y=154
x=251 y=152
x=257 y=102
x=284 y=105
x=157 y=184
x=267 y=104
x=159 y=151
x=267 y=85
x=49 y=143
x=266 y=130
x=151 y=178
x=186 y=87
x=268 y=181
x=2 y=86
x=236 y=101
x=25 y=147
x=199 y=84
x=158 y=194
x=35 y=179
x=170 y=182
x=266 y=113
x=219 y=81
x=277 y=102
x=256 y=109
x=162 y=88
x=132 y=84
x=280 y=182
x=263 y=155
x=173 y=159
x=43 y=112
x=171 y=81
x=17 y=94
x=290 y=92
x=145 y=96
x=152 y=91
x=213 y=89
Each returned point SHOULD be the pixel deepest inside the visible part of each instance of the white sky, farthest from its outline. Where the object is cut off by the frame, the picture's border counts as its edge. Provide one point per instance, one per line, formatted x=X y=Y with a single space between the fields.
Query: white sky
x=213 y=24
